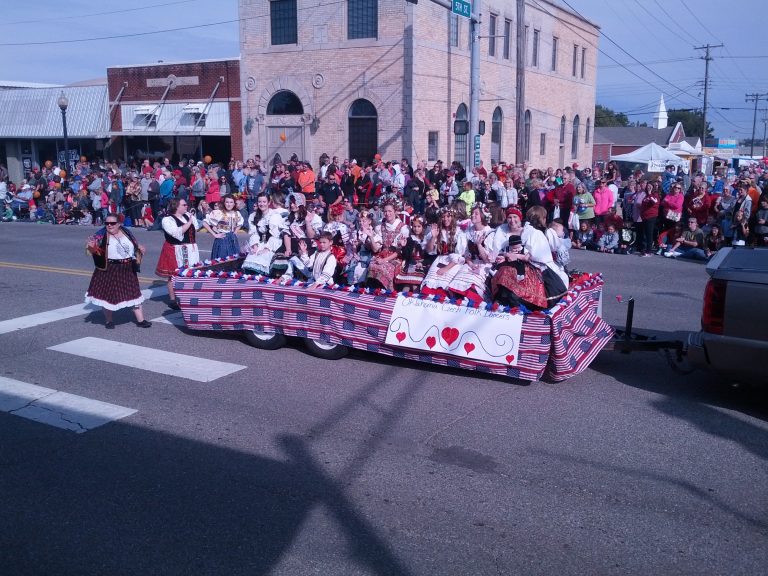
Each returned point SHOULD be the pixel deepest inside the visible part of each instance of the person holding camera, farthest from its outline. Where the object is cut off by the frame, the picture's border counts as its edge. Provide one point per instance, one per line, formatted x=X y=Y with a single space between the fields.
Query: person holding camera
x=180 y=248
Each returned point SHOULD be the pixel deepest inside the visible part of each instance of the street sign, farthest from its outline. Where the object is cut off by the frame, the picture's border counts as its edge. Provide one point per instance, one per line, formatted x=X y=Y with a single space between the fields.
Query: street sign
x=477 y=158
x=462 y=8
x=477 y=143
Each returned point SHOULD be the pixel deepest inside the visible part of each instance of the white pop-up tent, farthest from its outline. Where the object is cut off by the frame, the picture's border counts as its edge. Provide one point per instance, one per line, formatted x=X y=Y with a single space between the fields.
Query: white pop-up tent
x=656 y=157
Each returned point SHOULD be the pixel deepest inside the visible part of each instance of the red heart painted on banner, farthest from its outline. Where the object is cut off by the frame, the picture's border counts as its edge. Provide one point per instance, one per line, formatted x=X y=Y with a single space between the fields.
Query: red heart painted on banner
x=450 y=335
x=431 y=341
x=510 y=358
x=400 y=336
x=468 y=347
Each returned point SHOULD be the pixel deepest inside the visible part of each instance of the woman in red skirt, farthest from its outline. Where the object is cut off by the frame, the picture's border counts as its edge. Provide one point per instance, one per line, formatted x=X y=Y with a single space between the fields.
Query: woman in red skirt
x=115 y=284
x=180 y=249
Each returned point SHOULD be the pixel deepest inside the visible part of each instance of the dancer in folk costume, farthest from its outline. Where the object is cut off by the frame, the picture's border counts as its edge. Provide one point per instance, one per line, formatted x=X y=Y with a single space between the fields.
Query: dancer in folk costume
x=115 y=283
x=223 y=224
x=266 y=227
x=180 y=247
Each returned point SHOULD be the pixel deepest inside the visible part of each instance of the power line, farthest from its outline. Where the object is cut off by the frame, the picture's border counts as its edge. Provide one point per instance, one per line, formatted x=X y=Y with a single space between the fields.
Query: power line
x=612 y=41
x=682 y=28
x=91 y=14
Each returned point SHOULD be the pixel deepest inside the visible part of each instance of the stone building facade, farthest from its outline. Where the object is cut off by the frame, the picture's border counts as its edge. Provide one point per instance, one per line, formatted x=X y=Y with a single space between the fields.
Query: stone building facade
x=354 y=77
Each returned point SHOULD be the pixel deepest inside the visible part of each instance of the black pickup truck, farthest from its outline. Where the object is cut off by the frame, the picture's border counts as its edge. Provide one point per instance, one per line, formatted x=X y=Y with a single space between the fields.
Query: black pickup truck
x=733 y=340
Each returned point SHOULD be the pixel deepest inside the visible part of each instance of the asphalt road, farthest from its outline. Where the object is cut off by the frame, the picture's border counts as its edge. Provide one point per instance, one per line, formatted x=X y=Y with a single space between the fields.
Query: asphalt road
x=367 y=465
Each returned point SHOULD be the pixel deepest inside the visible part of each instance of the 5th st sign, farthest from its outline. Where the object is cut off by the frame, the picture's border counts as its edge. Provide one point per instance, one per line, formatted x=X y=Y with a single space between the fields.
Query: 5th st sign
x=462 y=8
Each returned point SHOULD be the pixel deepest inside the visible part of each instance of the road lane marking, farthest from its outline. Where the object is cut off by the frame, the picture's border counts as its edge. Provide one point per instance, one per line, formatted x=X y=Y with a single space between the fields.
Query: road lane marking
x=150 y=359
x=63 y=313
x=56 y=270
x=174 y=318
x=55 y=408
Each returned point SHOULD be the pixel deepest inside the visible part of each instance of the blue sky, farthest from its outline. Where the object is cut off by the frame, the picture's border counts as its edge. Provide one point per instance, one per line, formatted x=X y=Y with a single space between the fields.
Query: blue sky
x=659 y=33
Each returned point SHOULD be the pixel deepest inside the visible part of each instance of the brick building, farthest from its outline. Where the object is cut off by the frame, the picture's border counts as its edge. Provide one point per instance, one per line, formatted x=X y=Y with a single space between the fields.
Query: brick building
x=184 y=109
x=356 y=77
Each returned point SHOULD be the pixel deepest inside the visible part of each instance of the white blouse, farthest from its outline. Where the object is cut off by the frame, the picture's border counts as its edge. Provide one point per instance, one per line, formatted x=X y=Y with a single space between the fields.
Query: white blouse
x=171 y=228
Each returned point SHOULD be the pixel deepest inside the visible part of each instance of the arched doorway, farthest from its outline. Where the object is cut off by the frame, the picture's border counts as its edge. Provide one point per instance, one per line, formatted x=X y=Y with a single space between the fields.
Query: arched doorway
x=496 y=125
x=363 y=131
x=460 y=140
x=285 y=130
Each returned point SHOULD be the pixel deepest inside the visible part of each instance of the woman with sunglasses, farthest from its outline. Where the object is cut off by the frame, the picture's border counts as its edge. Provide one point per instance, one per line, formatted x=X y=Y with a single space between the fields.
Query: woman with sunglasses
x=115 y=284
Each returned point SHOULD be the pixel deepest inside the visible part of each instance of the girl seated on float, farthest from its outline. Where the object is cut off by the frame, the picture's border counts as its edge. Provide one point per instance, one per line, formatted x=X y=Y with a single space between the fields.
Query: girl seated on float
x=222 y=224
x=365 y=242
x=471 y=278
x=386 y=263
x=543 y=283
x=303 y=223
x=412 y=253
x=265 y=227
x=448 y=244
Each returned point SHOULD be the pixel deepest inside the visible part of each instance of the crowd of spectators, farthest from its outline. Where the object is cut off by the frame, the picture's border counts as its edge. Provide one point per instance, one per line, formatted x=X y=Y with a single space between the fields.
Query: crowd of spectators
x=673 y=214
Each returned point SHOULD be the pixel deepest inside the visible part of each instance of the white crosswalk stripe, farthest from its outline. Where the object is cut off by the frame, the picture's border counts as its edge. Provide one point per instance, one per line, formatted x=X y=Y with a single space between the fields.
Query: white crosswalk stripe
x=55 y=408
x=175 y=318
x=151 y=359
x=41 y=318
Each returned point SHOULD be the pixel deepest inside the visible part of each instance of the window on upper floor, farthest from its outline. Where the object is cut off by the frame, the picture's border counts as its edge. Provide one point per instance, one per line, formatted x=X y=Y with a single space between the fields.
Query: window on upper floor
x=454 y=35
x=492 y=35
x=575 y=59
x=507 y=38
x=583 y=62
x=283 y=21
x=535 y=51
x=555 y=42
x=362 y=19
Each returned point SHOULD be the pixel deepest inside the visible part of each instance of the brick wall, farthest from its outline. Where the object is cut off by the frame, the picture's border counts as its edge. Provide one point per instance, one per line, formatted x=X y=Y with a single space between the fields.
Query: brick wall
x=206 y=75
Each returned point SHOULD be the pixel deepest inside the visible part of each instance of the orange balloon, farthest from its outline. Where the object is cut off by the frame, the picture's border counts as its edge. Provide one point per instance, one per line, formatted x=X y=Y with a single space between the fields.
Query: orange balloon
x=48 y=163
x=207 y=159
x=283 y=138
x=36 y=195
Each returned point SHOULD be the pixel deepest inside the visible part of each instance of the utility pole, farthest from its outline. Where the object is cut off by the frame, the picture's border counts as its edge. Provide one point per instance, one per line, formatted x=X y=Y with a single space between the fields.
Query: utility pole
x=765 y=129
x=520 y=85
x=707 y=58
x=754 y=97
x=474 y=84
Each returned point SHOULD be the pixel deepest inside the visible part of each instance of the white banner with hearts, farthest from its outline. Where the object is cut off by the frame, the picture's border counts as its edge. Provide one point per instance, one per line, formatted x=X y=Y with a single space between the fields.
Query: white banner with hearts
x=468 y=333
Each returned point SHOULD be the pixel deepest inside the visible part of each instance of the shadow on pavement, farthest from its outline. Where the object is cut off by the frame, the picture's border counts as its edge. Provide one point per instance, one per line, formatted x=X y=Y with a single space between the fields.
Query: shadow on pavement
x=129 y=500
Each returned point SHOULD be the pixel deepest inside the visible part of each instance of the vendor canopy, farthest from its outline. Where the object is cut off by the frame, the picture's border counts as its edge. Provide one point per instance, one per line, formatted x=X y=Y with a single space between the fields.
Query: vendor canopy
x=652 y=154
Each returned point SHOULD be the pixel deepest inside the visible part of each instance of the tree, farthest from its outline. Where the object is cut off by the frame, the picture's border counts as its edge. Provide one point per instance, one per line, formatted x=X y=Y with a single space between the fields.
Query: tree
x=691 y=120
x=606 y=117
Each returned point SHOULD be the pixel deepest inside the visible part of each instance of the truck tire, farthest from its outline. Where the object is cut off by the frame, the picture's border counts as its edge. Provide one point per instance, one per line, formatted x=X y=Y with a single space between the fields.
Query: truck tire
x=325 y=349
x=265 y=341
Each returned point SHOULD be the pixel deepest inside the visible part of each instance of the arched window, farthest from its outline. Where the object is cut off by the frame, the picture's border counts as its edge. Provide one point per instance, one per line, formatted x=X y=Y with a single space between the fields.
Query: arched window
x=496 y=125
x=460 y=140
x=285 y=103
x=588 y=130
x=363 y=120
x=562 y=131
x=575 y=137
x=527 y=136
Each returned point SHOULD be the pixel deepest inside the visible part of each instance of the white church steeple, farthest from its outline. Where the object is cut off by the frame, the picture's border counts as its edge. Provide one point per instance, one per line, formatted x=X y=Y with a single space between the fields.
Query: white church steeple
x=660 y=119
